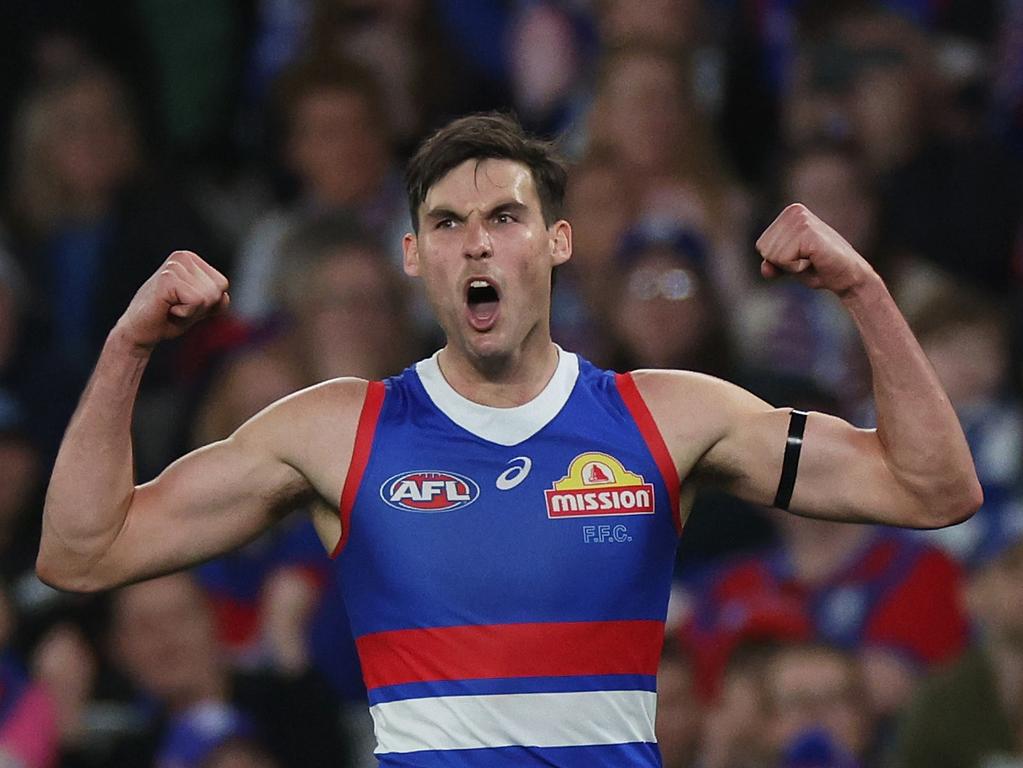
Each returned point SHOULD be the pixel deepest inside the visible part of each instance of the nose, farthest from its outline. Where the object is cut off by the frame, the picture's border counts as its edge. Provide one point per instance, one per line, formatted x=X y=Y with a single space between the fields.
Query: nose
x=477 y=244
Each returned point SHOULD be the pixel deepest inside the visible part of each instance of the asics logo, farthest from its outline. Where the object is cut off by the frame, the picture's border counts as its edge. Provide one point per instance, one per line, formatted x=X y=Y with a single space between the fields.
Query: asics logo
x=514 y=474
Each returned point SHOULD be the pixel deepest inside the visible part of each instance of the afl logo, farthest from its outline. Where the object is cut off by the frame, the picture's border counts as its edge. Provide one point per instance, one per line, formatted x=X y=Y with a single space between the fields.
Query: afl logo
x=429 y=491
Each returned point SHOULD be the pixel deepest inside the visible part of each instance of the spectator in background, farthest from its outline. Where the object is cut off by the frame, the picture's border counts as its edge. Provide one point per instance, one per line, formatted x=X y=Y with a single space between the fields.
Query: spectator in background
x=663 y=273
x=586 y=284
x=971 y=716
x=439 y=58
x=337 y=150
x=28 y=716
x=948 y=190
x=877 y=592
x=816 y=709
x=343 y=312
x=866 y=78
x=734 y=727
x=667 y=313
x=679 y=713
x=162 y=638
x=965 y=335
x=646 y=113
x=89 y=225
x=65 y=663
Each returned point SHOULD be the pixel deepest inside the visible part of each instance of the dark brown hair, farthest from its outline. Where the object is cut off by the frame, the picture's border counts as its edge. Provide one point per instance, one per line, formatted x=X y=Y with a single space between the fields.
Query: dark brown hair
x=480 y=137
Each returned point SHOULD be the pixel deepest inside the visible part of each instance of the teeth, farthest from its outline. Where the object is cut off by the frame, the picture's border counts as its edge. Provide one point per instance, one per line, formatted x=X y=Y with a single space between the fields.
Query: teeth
x=478 y=284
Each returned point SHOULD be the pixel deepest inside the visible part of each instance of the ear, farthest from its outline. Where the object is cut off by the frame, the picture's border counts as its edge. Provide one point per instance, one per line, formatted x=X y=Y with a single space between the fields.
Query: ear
x=410 y=254
x=561 y=242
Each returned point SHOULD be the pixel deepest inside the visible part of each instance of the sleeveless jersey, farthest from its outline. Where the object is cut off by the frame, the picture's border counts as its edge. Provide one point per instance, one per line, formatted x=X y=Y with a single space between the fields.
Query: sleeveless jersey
x=506 y=570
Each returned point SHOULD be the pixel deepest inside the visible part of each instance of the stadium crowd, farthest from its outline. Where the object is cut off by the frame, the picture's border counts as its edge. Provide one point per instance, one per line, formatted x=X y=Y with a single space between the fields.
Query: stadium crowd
x=269 y=136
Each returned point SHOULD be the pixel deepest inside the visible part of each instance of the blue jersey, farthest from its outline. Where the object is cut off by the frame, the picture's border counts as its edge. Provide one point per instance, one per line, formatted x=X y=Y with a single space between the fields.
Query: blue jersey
x=506 y=570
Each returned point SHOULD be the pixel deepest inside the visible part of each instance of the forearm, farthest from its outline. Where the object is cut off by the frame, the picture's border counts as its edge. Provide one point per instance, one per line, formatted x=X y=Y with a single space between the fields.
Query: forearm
x=93 y=478
x=922 y=441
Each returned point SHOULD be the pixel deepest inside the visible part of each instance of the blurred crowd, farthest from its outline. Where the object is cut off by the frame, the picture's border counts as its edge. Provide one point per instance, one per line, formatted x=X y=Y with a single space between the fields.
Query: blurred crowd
x=269 y=136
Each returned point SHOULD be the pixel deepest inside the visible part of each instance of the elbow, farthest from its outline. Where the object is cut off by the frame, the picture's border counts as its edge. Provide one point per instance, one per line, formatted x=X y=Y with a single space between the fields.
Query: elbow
x=973 y=499
x=953 y=505
x=54 y=573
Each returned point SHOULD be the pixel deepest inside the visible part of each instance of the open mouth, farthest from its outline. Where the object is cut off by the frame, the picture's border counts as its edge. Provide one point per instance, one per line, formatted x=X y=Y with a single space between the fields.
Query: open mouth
x=482 y=300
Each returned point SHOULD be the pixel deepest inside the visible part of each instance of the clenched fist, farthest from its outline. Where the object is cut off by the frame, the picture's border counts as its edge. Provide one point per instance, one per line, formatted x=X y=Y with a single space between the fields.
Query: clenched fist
x=183 y=291
x=799 y=243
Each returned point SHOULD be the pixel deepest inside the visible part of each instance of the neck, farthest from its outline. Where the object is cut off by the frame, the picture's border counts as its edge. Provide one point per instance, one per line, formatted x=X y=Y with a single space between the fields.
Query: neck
x=502 y=381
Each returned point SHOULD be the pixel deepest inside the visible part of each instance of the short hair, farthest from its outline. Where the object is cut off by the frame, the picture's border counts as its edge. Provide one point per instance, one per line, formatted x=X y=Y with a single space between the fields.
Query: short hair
x=484 y=136
x=327 y=73
x=315 y=239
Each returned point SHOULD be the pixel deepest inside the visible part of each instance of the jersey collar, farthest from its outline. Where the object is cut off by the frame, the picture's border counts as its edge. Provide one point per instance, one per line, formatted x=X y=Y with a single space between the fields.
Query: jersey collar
x=504 y=426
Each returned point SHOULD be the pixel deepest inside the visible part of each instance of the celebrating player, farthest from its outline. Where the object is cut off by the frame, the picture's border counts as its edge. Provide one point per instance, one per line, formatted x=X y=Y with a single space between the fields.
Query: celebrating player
x=505 y=514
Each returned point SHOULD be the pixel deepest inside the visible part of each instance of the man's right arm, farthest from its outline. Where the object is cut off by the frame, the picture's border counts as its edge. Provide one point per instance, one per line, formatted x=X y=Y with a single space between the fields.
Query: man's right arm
x=100 y=529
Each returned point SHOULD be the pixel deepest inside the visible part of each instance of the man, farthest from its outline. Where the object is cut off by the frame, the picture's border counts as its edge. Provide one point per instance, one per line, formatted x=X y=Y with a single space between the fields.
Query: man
x=815 y=706
x=163 y=640
x=508 y=513
x=971 y=715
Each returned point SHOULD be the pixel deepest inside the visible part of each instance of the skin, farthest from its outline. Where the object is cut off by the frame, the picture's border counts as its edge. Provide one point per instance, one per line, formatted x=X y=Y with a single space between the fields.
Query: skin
x=484 y=220
x=809 y=688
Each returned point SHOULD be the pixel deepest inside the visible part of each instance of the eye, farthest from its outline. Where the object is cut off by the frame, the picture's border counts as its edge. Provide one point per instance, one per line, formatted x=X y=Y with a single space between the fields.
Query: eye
x=504 y=218
x=444 y=224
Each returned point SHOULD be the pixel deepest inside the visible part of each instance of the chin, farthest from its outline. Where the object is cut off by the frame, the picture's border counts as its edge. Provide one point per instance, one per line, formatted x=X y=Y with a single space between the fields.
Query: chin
x=487 y=345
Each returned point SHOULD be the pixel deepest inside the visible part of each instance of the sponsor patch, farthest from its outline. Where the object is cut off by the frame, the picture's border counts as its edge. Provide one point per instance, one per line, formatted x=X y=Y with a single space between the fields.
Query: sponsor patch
x=597 y=484
x=429 y=491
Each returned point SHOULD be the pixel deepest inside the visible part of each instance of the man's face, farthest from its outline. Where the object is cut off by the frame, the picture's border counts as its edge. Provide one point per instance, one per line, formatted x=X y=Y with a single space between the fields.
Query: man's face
x=335 y=147
x=485 y=257
x=815 y=689
x=164 y=637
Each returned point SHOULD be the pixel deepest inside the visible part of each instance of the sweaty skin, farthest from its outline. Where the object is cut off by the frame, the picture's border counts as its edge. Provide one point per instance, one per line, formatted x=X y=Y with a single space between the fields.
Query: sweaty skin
x=483 y=220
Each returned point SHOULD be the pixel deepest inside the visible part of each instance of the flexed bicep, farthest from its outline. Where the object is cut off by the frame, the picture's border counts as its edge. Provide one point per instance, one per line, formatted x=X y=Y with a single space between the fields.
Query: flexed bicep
x=811 y=464
x=723 y=436
x=218 y=497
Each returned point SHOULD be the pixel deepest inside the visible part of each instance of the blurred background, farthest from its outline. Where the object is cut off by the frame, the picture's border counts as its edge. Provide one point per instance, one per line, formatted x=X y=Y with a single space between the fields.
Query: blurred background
x=270 y=137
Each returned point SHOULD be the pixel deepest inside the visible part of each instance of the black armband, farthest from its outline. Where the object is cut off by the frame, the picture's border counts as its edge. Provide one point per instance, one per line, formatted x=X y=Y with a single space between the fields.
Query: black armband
x=790 y=464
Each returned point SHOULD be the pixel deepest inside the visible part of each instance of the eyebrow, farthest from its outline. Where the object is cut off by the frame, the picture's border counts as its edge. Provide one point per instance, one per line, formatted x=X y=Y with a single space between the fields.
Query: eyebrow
x=508 y=206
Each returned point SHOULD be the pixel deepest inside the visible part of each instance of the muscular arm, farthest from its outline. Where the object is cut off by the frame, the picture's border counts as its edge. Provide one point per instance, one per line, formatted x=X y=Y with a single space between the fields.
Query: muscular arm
x=101 y=530
x=914 y=470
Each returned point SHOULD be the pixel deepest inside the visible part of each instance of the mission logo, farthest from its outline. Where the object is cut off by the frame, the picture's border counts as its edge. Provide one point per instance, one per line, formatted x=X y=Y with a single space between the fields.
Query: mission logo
x=429 y=491
x=597 y=484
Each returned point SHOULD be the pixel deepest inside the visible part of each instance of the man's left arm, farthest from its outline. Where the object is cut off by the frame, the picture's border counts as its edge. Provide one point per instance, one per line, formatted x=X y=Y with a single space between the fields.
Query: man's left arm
x=914 y=470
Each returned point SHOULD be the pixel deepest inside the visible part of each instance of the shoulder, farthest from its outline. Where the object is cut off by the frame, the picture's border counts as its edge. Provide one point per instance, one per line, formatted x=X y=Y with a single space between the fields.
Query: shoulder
x=335 y=399
x=664 y=383
x=696 y=414
x=311 y=419
x=707 y=403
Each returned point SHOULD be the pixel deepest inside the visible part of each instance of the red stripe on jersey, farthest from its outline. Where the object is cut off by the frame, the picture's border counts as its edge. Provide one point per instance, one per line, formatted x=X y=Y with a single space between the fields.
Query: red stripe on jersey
x=511 y=650
x=655 y=442
x=364 y=433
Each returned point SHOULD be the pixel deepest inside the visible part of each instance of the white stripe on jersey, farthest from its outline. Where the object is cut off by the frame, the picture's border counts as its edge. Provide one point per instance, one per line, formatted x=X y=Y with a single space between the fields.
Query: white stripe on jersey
x=523 y=719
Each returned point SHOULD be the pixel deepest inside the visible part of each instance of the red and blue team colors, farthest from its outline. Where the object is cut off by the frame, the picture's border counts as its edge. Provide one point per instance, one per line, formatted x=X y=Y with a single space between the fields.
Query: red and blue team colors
x=506 y=570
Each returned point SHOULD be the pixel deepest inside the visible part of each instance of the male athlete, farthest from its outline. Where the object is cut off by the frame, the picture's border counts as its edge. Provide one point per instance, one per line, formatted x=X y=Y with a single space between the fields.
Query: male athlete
x=505 y=514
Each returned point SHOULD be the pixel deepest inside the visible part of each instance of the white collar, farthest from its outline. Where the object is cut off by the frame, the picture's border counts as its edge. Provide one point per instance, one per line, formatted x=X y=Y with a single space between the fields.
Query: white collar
x=504 y=426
